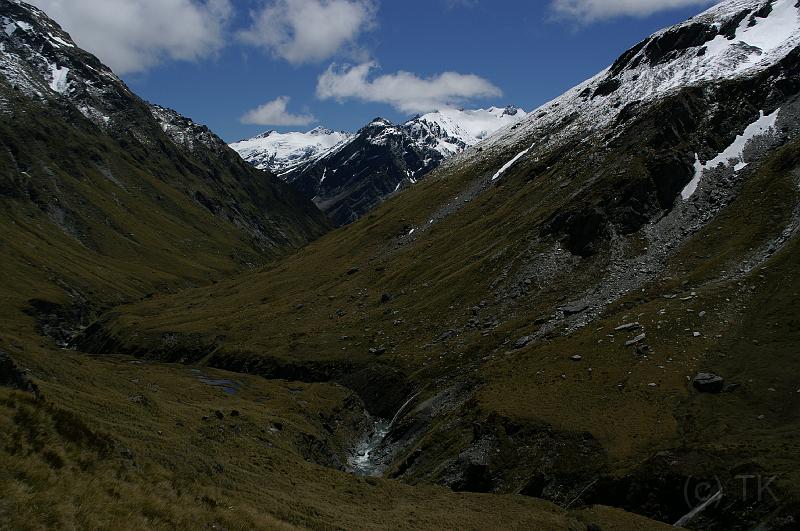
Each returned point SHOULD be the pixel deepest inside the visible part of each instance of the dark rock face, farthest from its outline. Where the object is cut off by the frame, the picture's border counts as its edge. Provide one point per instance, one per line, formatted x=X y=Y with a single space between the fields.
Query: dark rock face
x=728 y=29
x=536 y=460
x=351 y=181
x=382 y=388
x=626 y=59
x=664 y=47
x=655 y=152
x=607 y=87
x=761 y=13
x=582 y=229
x=476 y=478
x=669 y=176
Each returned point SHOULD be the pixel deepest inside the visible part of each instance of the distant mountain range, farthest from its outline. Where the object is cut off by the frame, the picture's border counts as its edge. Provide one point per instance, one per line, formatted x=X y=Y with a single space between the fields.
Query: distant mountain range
x=347 y=175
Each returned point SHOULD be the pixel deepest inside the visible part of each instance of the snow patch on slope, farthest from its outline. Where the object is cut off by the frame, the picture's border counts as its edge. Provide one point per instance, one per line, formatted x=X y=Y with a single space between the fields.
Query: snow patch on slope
x=733 y=153
x=59 y=81
x=510 y=163
x=58 y=41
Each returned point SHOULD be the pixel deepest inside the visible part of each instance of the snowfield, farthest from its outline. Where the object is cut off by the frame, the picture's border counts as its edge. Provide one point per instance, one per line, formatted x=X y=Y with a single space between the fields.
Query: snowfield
x=455 y=129
x=280 y=152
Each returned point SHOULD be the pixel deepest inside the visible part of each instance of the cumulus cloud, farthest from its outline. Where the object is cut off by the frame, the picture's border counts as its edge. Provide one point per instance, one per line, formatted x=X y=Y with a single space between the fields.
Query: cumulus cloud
x=275 y=113
x=310 y=31
x=134 y=35
x=403 y=90
x=585 y=11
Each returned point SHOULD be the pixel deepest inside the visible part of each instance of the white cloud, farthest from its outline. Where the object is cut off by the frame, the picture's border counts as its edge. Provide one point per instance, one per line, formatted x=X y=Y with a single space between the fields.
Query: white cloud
x=274 y=113
x=134 y=35
x=310 y=31
x=585 y=11
x=403 y=90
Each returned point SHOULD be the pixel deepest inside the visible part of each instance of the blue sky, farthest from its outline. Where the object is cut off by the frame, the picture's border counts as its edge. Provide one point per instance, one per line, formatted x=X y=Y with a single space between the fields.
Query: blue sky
x=336 y=62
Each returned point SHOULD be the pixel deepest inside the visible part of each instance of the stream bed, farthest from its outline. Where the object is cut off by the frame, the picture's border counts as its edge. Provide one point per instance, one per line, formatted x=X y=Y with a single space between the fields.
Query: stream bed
x=373 y=453
x=365 y=458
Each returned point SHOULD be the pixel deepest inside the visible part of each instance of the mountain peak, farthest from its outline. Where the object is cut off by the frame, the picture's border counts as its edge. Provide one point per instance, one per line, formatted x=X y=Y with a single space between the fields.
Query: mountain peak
x=734 y=39
x=320 y=130
x=380 y=122
x=281 y=152
x=41 y=61
x=450 y=131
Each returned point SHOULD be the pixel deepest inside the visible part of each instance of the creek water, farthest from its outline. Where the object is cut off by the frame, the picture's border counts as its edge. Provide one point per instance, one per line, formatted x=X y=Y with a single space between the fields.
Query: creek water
x=370 y=456
x=365 y=457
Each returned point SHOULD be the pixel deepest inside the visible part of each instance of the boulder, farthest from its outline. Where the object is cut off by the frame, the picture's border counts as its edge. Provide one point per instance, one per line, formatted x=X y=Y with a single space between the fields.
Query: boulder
x=635 y=340
x=447 y=335
x=521 y=342
x=708 y=382
x=574 y=309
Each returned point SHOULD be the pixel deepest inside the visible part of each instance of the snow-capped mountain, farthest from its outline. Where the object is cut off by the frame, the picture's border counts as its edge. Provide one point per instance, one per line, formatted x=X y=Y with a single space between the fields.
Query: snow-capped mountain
x=355 y=176
x=451 y=131
x=381 y=157
x=734 y=39
x=280 y=152
x=677 y=110
x=42 y=62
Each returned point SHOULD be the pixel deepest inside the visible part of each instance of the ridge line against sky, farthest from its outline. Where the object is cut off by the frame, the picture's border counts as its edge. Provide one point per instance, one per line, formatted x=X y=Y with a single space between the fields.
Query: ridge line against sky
x=293 y=63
